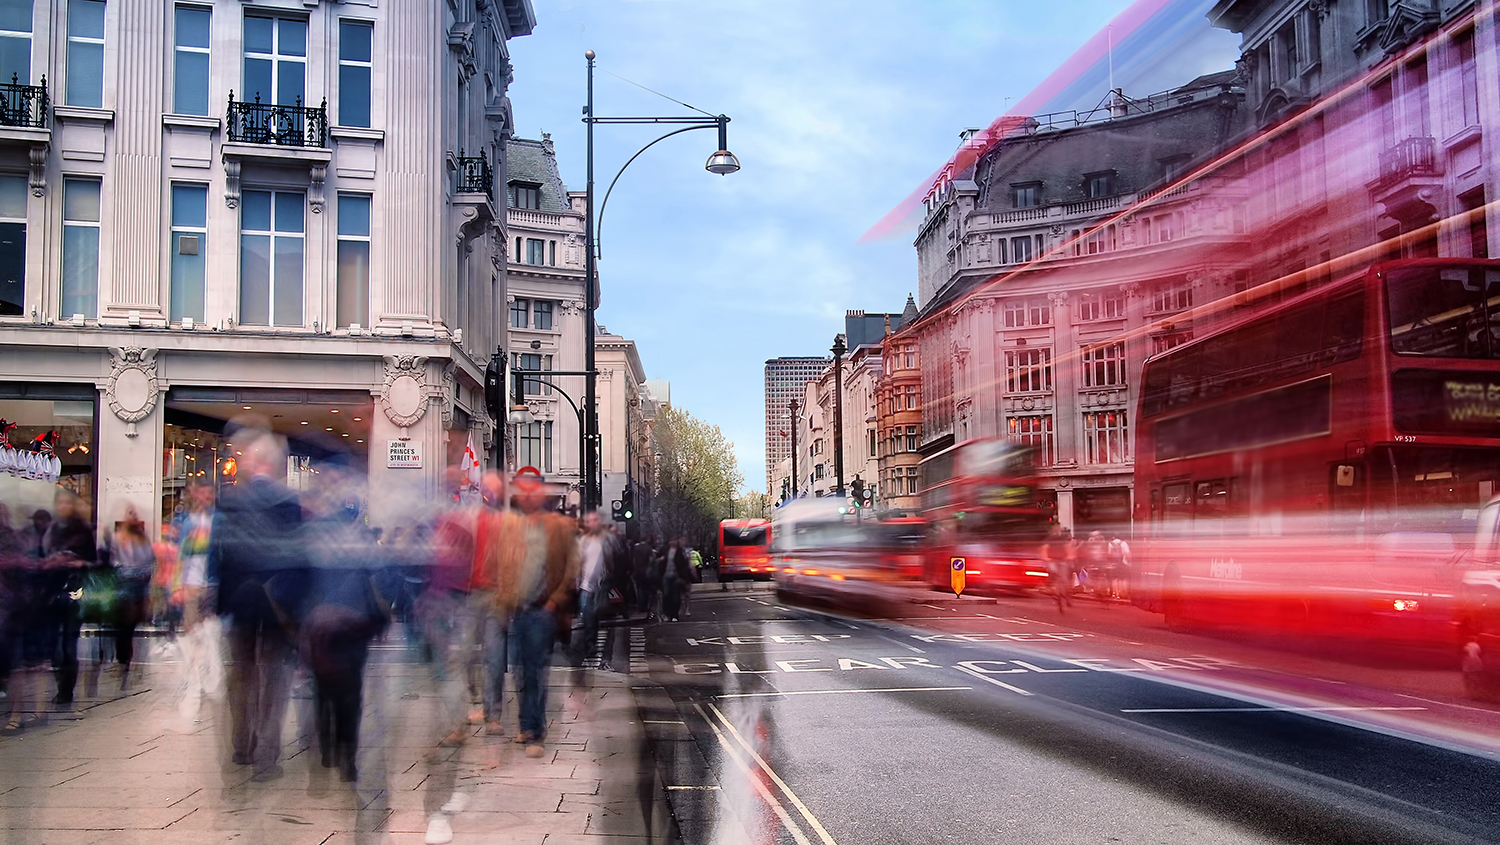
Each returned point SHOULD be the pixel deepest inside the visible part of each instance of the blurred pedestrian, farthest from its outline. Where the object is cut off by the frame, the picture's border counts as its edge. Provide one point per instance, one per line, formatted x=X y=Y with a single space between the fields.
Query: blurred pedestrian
x=1058 y=553
x=347 y=609
x=257 y=546
x=677 y=579
x=134 y=562
x=1119 y=557
x=1093 y=563
x=537 y=568
x=596 y=554
x=68 y=553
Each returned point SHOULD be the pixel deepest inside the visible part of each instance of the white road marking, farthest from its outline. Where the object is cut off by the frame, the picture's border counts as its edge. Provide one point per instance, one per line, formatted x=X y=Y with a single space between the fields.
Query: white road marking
x=1444 y=703
x=704 y=788
x=664 y=721
x=899 y=643
x=1264 y=709
x=839 y=691
x=770 y=799
x=786 y=790
x=997 y=683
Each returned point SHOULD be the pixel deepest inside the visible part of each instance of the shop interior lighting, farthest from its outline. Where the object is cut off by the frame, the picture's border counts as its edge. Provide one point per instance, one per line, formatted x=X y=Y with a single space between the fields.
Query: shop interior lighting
x=330 y=428
x=304 y=422
x=246 y=407
x=333 y=410
x=357 y=419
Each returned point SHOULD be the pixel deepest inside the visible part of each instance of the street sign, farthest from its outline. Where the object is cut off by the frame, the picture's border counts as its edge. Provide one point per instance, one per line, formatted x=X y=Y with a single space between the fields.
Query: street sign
x=403 y=454
x=958 y=576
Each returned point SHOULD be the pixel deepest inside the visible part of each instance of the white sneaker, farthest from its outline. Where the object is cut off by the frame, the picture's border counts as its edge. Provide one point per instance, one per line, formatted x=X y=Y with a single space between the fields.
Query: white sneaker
x=439 y=831
x=457 y=804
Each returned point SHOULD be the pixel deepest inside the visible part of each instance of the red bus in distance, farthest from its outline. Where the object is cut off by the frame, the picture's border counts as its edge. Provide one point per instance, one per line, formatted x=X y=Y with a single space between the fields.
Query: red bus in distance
x=745 y=550
x=1316 y=467
x=979 y=500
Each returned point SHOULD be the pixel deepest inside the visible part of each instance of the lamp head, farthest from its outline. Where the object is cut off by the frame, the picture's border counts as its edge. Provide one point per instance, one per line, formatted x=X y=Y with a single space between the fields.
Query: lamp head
x=520 y=415
x=723 y=163
x=838 y=345
x=588 y=54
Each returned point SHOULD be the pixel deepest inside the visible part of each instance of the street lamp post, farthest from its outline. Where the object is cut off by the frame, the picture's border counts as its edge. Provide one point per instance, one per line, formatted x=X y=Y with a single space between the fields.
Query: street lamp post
x=793 y=407
x=722 y=162
x=838 y=412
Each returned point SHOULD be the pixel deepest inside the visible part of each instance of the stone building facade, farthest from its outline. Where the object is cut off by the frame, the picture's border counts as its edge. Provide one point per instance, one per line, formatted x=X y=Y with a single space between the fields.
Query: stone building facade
x=1049 y=271
x=279 y=208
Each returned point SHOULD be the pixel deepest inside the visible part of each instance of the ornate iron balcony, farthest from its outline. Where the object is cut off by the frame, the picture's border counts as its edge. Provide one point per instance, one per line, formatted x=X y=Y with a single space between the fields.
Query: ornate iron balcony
x=23 y=105
x=1412 y=157
x=283 y=126
x=475 y=175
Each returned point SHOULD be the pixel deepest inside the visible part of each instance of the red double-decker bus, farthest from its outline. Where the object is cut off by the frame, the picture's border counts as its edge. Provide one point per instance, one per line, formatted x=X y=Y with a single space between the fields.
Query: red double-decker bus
x=979 y=501
x=1316 y=466
x=745 y=550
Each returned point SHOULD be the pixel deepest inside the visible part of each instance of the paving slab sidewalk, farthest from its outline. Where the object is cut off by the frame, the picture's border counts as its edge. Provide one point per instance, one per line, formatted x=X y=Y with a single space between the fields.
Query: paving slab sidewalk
x=123 y=769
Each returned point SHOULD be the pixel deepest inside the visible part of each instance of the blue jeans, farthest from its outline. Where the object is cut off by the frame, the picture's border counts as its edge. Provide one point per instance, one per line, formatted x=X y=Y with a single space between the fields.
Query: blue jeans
x=532 y=632
x=588 y=619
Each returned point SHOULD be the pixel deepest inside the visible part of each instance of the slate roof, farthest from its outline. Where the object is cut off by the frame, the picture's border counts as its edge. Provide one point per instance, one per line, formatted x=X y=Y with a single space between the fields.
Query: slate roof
x=535 y=162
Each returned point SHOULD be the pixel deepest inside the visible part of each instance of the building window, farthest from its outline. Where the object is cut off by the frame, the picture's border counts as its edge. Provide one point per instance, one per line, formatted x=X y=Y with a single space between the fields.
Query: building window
x=913 y=438
x=275 y=60
x=1104 y=365
x=551 y=253
x=534 y=445
x=355 y=52
x=519 y=309
x=1099 y=185
x=15 y=40
x=1169 y=297
x=1106 y=437
x=86 y=53
x=536 y=251
x=1028 y=370
x=80 y=265
x=912 y=487
x=1468 y=78
x=271 y=258
x=911 y=397
x=1034 y=431
x=909 y=357
x=1026 y=195
x=1286 y=39
x=1030 y=311
x=817 y=472
x=13 y=245
x=1376 y=11
x=523 y=195
x=532 y=362
x=1102 y=304
x=1020 y=249
x=189 y=237
x=354 y=260
x=872 y=443
x=1162 y=342
x=541 y=312
x=518 y=251
x=190 y=33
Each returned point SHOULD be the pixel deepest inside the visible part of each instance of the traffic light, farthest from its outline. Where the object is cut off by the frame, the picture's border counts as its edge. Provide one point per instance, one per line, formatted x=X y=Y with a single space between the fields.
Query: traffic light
x=617 y=511
x=627 y=506
x=494 y=388
x=857 y=487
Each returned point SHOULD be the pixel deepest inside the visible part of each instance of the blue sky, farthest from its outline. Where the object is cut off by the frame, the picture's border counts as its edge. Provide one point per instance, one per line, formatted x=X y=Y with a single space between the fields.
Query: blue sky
x=839 y=110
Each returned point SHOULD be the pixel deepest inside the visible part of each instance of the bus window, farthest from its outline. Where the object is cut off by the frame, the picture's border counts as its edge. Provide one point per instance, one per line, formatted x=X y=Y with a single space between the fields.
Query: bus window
x=1177 y=507
x=1212 y=499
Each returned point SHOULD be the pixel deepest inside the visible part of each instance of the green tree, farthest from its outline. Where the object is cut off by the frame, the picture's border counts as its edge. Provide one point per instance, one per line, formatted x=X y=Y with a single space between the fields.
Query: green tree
x=752 y=504
x=696 y=478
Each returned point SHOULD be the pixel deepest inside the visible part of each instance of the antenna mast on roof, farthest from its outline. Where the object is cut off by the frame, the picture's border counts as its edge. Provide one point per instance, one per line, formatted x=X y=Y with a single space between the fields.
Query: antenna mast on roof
x=1109 y=35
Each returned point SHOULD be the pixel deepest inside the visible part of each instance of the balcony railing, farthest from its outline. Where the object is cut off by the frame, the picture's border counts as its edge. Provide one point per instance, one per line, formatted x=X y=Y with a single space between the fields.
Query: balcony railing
x=475 y=175
x=23 y=105
x=283 y=126
x=1412 y=157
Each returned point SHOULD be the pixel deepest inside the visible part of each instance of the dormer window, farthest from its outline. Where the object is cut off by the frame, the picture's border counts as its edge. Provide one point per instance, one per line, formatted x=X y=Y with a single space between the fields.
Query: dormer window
x=1026 y=194
x=525 y=195
x=1099 y=185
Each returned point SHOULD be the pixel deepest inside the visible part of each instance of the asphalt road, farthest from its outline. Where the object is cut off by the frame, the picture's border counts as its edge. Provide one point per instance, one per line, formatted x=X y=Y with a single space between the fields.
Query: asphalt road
x=970 y=722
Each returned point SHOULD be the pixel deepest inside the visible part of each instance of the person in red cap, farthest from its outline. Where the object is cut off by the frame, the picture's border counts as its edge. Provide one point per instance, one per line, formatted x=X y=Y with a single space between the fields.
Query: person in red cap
x=536 y=569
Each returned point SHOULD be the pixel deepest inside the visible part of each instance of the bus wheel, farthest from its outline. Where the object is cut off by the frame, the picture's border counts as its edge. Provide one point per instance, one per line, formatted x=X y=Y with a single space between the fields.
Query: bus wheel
x=1174 y=602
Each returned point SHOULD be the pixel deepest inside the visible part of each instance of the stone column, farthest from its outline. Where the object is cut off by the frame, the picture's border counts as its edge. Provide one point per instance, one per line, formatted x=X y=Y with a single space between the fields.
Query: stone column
x=1065 y=370
x=129 y=459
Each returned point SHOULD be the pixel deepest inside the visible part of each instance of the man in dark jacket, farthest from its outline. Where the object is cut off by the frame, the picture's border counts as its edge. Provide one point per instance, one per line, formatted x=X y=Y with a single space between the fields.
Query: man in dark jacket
x=256 y=551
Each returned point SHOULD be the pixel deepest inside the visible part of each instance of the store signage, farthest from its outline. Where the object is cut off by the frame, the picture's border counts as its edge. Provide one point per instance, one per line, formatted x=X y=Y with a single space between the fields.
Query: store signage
x=1446 y=402
x=403 y=454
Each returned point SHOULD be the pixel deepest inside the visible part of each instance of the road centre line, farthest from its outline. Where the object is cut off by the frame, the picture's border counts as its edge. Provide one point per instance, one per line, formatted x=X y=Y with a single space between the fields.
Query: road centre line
x=663 y=722
x=694 y=788
x=766 y=794
x=837 y=691
x=1264 y=709
x=968 y=671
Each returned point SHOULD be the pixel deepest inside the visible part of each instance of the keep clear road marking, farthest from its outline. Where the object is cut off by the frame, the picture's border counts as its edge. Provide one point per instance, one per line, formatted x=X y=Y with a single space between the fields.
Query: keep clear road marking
x=840 y=691
x=967 y=671
x=807 y=815
x=1264 y=709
